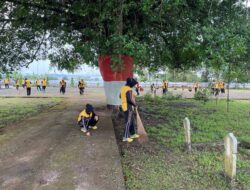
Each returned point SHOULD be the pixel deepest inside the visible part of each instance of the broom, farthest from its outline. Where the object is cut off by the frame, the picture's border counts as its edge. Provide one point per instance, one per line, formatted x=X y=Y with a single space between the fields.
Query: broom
x=140 y=129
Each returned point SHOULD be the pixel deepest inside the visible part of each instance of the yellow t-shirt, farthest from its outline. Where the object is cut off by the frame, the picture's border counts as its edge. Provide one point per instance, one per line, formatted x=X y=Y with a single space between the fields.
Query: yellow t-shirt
x=44 y=82
x=165 y=85
x=6 y=81
x=62 y=83
x=85 y=115
x=28 y=83
x=217 y=85
x=81 y=84
x=196 y=85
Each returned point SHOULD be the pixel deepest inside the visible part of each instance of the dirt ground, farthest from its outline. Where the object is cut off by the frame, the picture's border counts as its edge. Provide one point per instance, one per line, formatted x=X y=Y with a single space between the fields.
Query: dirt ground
x=49 y=152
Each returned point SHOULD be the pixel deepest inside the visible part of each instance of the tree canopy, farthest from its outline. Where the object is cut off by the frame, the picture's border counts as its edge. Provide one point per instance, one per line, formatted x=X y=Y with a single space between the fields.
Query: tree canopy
x=178 y=34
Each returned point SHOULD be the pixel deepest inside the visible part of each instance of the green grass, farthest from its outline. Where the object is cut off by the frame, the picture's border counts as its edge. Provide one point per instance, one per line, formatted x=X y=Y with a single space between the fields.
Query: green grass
x=15 y=109
x=175 y=169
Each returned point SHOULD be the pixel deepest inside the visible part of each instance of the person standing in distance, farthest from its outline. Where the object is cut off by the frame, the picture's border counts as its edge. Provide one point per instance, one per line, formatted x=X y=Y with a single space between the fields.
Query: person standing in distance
x=44 y=84
x=62 y=86
x=28 y=86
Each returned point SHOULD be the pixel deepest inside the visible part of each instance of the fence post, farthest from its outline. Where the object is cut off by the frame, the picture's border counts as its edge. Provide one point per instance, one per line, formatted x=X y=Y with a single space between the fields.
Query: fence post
x=230 y=143
x=186 y=124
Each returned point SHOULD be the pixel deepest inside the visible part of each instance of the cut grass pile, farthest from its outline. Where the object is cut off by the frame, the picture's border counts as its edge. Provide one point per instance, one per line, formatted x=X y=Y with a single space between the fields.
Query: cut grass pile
x=15 y=109
x=163 y=162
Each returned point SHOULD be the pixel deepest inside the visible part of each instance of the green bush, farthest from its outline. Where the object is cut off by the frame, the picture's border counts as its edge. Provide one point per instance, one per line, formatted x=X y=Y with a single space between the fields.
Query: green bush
x=171 y=96
x=148 y=97
x=202 y=95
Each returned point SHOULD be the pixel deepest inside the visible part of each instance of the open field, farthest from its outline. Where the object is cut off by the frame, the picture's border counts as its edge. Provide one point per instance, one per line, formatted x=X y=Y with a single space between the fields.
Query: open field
x=15 y=109
x=164 y=164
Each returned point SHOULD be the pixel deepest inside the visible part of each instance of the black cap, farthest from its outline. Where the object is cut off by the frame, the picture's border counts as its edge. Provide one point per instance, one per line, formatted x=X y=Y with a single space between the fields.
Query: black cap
x=131 y=82
x=89 y=108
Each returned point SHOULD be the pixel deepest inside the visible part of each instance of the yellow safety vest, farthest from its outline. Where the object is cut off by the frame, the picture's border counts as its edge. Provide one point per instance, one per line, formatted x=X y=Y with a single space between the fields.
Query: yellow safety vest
x=124 y=90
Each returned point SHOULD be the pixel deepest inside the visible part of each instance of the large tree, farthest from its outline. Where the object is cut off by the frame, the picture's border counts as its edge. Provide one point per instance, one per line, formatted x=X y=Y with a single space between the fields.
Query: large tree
x=156 y=33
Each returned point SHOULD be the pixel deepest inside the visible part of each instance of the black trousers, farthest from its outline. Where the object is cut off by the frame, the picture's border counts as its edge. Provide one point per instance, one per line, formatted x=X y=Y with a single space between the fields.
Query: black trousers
x=81 y=90
x=164 y=90
x=88 y=122
x=28 y=91
x=17 y=87
x=44 y=87
x=130 y=124
x=195 y=89
x=217 y=90
x=62 y=90
x=38 y=87
x=222 y=90
x=7 y=86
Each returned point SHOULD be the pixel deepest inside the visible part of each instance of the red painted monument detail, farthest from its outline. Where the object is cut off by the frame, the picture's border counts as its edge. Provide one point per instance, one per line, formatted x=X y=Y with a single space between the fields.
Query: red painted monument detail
x=109 y=75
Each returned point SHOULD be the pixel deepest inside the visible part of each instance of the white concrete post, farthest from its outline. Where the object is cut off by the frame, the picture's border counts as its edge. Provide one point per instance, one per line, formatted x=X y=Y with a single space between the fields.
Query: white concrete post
x=186 y=124
x=230 y=143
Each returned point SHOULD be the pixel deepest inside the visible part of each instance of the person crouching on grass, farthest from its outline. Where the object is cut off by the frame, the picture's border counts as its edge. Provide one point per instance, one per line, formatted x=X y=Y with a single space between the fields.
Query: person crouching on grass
x=88 y=119
x=128 y=107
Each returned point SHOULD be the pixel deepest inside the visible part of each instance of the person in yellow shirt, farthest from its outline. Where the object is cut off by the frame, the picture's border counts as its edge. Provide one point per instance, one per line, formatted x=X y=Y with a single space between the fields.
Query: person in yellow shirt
x=17 y=84
x=128 y=105
x=217 y=88
x=44 y=84
x=87 y=119
x=28 y=86
x=6 y=83
x=81 y=86
x=63 y=86
x=196 y=86
x=164 y=87
x=38 y=85
x=222 y=87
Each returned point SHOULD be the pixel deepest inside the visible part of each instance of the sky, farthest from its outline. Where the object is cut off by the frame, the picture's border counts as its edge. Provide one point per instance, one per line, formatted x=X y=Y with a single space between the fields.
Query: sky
x=43 y=67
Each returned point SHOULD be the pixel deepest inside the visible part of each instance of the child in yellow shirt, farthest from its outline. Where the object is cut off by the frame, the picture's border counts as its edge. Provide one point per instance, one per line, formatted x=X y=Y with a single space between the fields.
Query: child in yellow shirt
x=88 y=119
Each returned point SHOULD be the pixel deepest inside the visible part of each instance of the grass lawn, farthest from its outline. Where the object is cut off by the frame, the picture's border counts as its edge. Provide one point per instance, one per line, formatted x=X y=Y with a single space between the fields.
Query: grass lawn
x=15 y=109
x=163 y=163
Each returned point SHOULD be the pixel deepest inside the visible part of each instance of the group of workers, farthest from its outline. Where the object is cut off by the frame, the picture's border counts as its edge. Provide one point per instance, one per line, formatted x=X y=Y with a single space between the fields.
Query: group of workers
x=164 y=87
x=41 y=85
x=218 y=87
x=6 y=83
